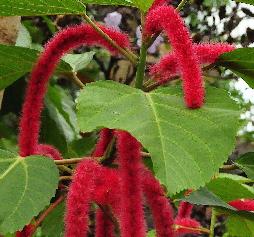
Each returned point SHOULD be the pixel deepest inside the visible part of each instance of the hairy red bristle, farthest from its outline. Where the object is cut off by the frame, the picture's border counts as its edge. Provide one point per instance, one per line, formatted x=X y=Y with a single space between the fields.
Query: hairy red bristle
x=184 y=210
x=104 y=226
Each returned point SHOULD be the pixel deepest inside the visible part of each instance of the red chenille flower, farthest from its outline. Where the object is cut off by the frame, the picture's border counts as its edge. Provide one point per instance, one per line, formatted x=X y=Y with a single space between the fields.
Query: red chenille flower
x=161 y=209
x=243 y=204
x=168 y=19
x=131 y=216
x=104 y=226
x=63 y=42
x=47 y=150
x=184 y=210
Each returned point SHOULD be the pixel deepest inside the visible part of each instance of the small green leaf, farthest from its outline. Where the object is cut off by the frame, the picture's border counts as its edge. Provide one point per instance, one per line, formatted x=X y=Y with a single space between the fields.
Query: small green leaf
x=143 y=5
x=42 y=7
x=240 y=62
x=53 y=225
x=151 y=233
x=187 y=146
x=15 y=62
x=26 y=187
x=78 y=61
x=246 y=163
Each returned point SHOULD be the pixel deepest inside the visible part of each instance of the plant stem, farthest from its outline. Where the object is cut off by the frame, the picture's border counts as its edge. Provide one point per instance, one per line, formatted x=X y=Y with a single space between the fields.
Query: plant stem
x=46 y=213
x=126 y=52
x=142 y=59
x=181 y=5
x=65 y=169
x=68 y=161
x=200 y=229
x=77 y=81
x=213 y=222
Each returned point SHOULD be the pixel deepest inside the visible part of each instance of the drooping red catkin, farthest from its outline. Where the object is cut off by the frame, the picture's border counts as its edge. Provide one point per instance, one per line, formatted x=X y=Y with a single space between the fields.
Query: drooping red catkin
x=161 y=209
x=168 y=19
x=184 y=210
x=64 y=41
x=168 y=66
x=104 y=226
x=243 y=204
x=105 y=137
x=132 y=216
x=79 y=198
x=47 y=150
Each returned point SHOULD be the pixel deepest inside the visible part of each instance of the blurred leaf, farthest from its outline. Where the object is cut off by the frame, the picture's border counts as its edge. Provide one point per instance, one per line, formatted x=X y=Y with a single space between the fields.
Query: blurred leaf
x=78 y=61
x=151 y=233
x=24 y=39
x=246 y=1
x=240 y=62
x=246 y=163
x=240 y=224
x=17 y=61
x=26 y=187
x=42 y=7
x=53 y=225
x=203 y=134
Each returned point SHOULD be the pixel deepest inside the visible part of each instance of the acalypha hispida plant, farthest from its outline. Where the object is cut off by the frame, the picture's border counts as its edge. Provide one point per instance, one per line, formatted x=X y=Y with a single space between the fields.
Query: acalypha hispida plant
x=115 y=183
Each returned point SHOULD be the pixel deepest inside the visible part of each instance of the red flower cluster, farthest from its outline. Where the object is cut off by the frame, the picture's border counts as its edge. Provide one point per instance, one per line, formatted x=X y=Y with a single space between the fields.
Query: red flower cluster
x=121 y=189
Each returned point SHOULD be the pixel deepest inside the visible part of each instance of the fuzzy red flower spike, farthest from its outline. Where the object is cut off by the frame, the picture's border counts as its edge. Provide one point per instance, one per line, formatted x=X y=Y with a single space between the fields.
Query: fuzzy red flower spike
x=168 y=19
x=130 y=161
x=63 y=42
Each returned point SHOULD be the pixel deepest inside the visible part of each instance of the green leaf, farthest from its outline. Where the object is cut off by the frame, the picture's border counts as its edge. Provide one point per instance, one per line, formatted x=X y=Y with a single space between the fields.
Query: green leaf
x=205 y=197
x=15 y=62
x=26 y=187
x=42 y=7
x=78 y=61
x=110 y=2
x=230 y=189
x=143 y=5
x=151 y=233
x=246 y=1
x=240 y=224
x=219 y=191
x=246 y=163
x=61 y=109
x=240 y=62
x=53 y=225
x=187 y=146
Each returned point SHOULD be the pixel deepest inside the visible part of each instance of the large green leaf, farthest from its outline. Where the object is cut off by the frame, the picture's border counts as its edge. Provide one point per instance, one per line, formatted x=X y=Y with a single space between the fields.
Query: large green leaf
x=246 y=163
x=246 y=1
x=17 y=61
x=26 y=187
x=187 y=146
x=42 y=7
x=241 y=62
